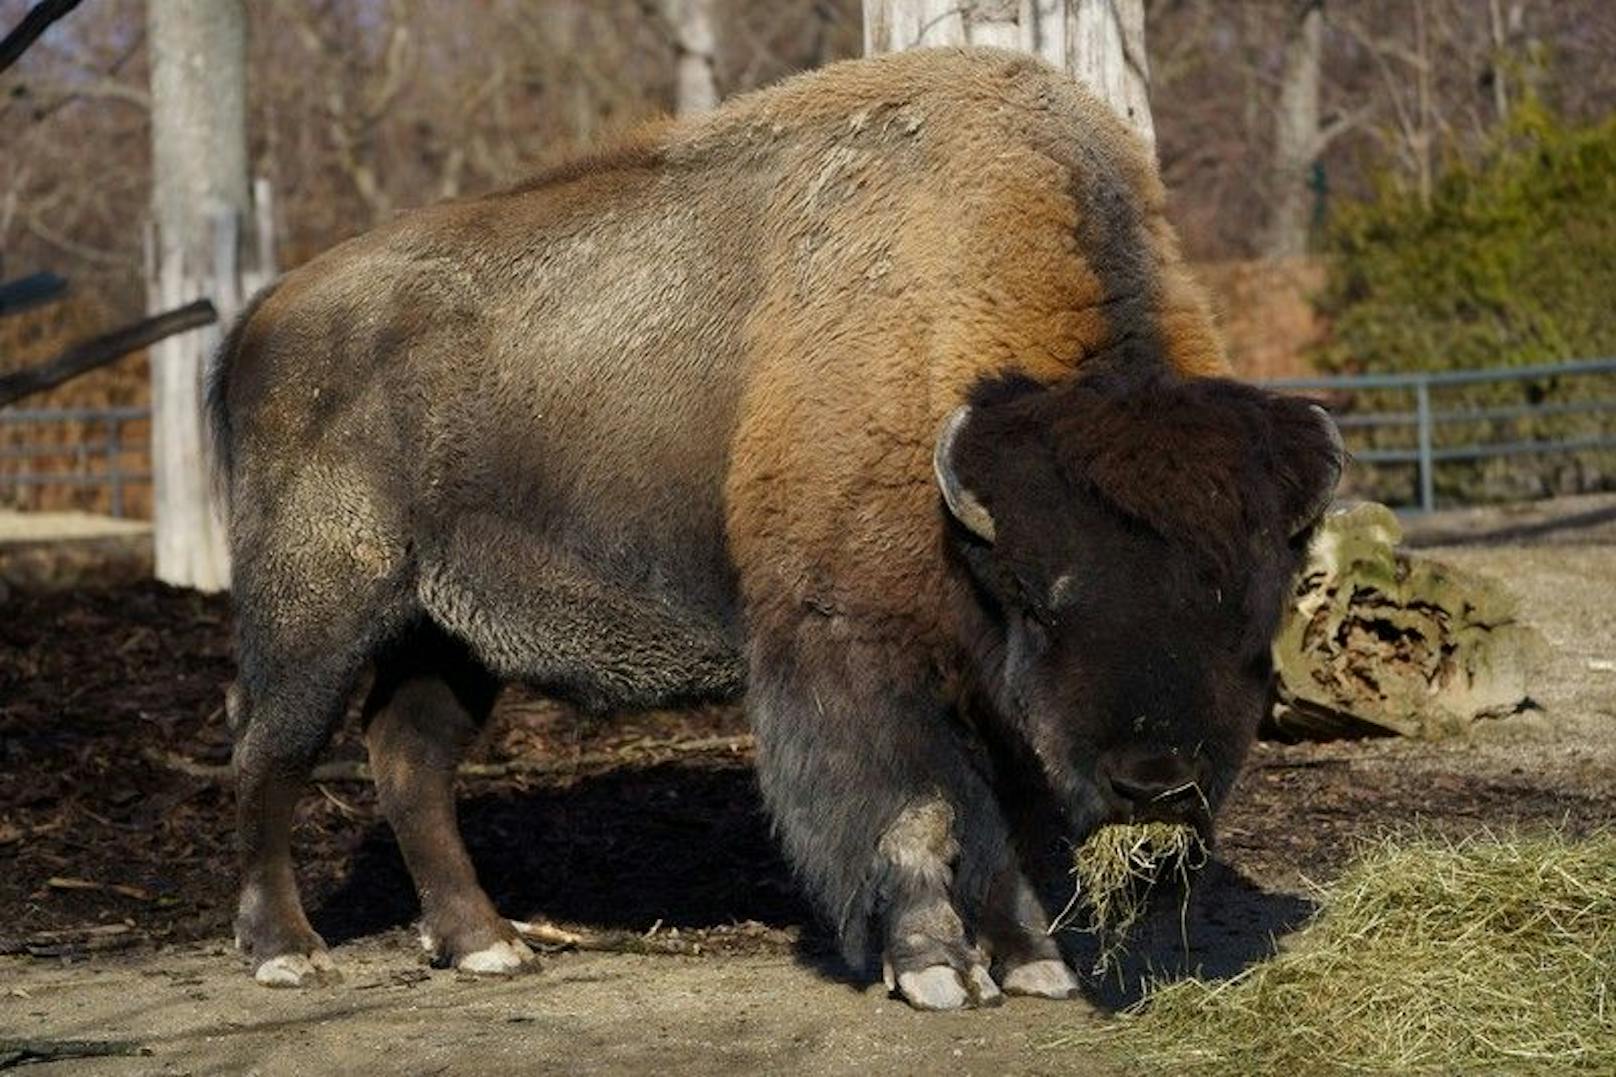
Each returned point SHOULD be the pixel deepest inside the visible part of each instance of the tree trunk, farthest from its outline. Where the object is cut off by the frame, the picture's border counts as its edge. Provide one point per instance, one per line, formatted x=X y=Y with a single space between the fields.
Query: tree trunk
x=200 y=204
x=1101 y=42
x=696 y=88
x=1296 y=132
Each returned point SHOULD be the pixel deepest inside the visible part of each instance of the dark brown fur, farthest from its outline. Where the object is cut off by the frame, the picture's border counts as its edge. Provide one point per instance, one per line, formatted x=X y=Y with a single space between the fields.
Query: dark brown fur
x=659 y=426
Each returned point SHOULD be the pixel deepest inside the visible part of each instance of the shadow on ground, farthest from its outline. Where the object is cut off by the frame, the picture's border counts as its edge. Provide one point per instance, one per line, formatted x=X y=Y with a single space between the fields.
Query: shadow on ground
x=1228 y=924
x=675 y=845
x=689 y=847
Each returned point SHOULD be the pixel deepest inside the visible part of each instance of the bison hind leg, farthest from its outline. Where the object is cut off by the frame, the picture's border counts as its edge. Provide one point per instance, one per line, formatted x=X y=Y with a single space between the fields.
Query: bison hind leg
x=429 y=700
x=318 y=587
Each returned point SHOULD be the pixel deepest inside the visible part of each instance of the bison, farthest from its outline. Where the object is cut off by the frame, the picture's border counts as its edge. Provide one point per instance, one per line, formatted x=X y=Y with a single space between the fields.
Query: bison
x=881 y=398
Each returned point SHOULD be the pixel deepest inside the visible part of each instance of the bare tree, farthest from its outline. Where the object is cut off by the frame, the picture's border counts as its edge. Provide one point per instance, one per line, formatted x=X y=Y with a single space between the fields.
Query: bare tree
x=695 y=45
x=1101 y=42
x=200 y=201
x=1297 y=138
x=476 y=95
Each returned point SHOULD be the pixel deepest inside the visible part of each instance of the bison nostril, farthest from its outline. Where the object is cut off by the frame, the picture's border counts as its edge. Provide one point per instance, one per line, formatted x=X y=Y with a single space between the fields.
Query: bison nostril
x=1165 y=780
x=1153 y=792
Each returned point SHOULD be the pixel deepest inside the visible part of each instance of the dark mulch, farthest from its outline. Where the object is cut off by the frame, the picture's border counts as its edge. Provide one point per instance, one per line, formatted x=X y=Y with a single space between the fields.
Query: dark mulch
x=95 y=834
x=94 y=831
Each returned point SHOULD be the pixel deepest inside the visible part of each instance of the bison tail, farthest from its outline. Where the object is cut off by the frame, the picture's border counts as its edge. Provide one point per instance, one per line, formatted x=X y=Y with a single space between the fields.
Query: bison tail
x=218 y=444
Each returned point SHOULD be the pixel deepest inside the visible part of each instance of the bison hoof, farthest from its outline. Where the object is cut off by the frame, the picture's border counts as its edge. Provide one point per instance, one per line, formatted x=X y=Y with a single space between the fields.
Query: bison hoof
x=943 y=987
x=504 y=958
x=1042 y=979
x=298 y=970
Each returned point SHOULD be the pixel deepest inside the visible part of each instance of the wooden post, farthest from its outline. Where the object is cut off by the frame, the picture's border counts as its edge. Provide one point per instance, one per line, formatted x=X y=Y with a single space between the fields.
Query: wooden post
x=1101 y=42
x=199 y=246
x=695 y=41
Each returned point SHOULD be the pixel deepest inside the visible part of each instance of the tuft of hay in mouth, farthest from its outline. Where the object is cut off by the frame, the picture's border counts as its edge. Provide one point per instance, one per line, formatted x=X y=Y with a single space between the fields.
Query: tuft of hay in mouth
x=1495 y=954
x=1116 y=870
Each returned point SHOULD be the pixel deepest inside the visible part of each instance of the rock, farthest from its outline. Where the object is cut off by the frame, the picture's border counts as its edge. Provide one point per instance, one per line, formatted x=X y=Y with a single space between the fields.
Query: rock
x=1382 y=640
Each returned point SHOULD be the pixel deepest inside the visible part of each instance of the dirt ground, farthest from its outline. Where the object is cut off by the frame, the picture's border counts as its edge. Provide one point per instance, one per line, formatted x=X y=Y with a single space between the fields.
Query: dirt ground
x=645 y=835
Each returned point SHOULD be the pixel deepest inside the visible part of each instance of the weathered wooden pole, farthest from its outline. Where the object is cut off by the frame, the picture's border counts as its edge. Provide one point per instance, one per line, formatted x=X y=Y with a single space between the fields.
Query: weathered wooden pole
x=1101 y=42
x=695 y=40
x=201 y=204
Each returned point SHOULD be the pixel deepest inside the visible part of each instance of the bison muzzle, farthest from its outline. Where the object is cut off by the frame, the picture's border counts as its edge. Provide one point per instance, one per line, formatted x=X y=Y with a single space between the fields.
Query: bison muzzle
x=881 y=398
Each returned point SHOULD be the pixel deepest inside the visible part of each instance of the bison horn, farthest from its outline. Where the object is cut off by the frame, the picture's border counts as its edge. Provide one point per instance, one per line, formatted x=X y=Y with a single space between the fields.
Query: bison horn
x=961 y=502
x=1338 y=455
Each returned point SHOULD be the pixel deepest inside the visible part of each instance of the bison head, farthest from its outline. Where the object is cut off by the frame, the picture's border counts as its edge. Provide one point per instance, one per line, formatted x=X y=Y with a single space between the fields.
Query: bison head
x=1129 y=545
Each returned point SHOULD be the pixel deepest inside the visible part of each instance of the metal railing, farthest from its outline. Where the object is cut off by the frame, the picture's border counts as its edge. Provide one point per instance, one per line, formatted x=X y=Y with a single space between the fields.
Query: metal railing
x=110 y=451
x=1426 y=452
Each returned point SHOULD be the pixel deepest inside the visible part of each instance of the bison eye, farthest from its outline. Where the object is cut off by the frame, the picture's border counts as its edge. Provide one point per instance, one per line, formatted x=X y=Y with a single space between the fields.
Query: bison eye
x=1038 y=610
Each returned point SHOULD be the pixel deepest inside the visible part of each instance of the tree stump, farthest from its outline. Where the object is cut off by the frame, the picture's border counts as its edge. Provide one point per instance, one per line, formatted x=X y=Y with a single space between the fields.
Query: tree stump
x=1379 y=640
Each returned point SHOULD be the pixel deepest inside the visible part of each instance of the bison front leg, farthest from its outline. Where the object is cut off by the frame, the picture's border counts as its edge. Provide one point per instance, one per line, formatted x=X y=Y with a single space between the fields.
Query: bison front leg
x=1015 y=932
x=881 y=802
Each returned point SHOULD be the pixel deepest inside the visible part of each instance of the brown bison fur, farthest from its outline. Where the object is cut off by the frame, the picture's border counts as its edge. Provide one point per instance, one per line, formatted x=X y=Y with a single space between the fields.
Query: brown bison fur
x=683 y=420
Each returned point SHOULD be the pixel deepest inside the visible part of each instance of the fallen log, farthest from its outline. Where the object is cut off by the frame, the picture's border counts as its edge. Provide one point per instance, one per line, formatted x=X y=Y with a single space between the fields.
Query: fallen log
x=1380 y=640
x=355 y=771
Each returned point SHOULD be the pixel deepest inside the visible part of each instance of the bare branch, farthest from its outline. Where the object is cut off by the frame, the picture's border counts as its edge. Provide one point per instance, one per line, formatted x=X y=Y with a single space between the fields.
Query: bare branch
x=99 y=351
x=1342 y=124
x=36 y=22
x=39 y=230
x=55 y=94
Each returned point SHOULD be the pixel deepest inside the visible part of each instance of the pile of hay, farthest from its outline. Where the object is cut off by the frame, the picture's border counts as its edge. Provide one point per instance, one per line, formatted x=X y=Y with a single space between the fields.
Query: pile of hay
x=1492 y=955
x=1116 y=870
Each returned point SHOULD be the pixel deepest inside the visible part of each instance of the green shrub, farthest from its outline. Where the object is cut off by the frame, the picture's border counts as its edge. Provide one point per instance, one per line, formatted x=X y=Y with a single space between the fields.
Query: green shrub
x=1512 y=262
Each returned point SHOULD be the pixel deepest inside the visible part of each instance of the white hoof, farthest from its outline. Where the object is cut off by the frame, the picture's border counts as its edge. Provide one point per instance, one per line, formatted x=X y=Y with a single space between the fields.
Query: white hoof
x=984 y=992
x=297 y=970
x=501 y=959
x=942 y=987
x=1042 y=979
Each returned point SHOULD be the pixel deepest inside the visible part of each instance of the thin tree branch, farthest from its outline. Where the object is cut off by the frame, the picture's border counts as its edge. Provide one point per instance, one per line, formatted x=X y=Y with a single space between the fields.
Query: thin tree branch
x=99 y=351
x=36 y=22
x=37 y=228
x=31 y=291
x=60 y=93
x=345 y=771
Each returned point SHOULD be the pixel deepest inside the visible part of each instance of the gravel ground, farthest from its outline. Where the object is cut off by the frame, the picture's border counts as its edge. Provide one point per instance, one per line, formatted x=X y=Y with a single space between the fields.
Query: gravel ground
x=645 y=835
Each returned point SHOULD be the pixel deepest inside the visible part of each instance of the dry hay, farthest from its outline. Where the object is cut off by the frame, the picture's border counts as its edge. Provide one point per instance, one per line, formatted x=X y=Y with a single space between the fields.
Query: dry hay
x=1116 y=870
x=1495 y=954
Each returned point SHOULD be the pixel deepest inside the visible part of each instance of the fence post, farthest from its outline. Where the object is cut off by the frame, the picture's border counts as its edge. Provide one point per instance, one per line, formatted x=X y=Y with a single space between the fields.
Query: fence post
x=114 y=467
x=1422 y=397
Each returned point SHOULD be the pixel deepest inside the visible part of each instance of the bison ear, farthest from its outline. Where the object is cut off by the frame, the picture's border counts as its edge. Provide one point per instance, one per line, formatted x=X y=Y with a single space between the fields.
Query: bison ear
x=1317 y=460
x=963 y=504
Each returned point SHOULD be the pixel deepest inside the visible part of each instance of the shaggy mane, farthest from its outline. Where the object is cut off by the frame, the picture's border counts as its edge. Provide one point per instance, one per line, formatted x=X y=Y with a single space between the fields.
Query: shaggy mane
x=1206 y=462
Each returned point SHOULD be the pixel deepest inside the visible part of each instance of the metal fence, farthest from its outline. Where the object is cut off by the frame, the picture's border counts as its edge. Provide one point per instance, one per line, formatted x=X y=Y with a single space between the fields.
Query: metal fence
x=101 y=462
x=93 y=462
x=1429 y=448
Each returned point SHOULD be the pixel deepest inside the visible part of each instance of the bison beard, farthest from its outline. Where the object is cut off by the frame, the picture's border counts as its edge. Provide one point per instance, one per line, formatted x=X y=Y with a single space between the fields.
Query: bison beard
x=880 y=396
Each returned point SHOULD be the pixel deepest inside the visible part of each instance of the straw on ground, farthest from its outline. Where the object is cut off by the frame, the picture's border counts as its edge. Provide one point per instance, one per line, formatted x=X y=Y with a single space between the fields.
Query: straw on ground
x=1495 y=954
